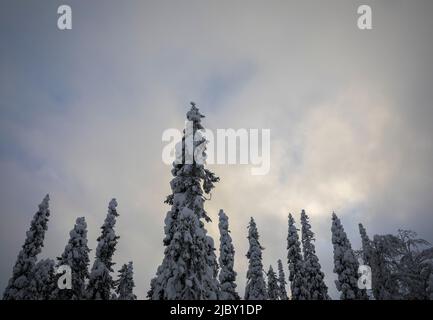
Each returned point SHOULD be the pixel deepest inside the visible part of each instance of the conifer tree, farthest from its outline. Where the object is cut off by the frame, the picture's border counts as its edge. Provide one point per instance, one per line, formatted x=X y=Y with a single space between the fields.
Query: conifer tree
x=384 y=250
x=273 y=288
x=367 y=247
x=212 y=286
x=188 y=269
x=256 y=287
x=76 y=256
x=43 y=282
x=370 y=258
x=314 y=276
x=345 y=264
x=282 y=281
x=227 y=275
x=298 y=284
x=19 y=283
x=125 y=284
x=100 y=280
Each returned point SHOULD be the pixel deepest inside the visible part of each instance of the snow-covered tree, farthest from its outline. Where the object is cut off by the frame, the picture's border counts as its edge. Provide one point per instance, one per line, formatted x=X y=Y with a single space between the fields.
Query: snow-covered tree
x=298 y=284
x=227 y=275
x=188 y=269
x=345 y=264
x=76 y=256
x=384 y=259
x=19 y=283
x=413 y=270
x=100 y=280
x=369 y=258
x=256 y=287
x=273 y=288
x=401 y=265
x=125 y=283
x=212 y=286
x=313 y=274
x=367 y=247
x=282 y=281
x=43 y=281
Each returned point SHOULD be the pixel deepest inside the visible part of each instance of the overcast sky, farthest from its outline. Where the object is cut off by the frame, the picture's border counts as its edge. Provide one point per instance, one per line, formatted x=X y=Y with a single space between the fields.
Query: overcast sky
x=82 y=113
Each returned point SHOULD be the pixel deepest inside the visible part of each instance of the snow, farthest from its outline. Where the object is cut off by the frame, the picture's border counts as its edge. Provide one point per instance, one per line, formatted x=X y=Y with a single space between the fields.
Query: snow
x=317 y=288
x=345 y=264
x=19 y=284
x=281 y=281
x=273 y=288
x=189 y=268
x=100 y=281
x=298 y=285
x=227 y=276
x=256 y=287
x=125 y=284
x=76 y=256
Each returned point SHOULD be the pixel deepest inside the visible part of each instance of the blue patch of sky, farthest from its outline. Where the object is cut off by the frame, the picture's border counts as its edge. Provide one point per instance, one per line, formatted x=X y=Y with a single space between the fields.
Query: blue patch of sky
x=221 y=86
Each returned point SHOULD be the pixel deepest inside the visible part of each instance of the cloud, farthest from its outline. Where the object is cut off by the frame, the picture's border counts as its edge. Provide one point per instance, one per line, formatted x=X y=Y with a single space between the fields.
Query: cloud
x=82 y=114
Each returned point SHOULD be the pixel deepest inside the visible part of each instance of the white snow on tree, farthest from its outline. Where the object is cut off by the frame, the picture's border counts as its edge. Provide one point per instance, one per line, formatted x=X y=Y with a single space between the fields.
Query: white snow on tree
x=100 y=281
x=401 y=266
x=345 y=264
x=369 y=258
x=367 y=248
x=43 y=282
x=189 y=269
x=281 y=281
x=212 y=286
x=17 y=288
x=255 y=287
x=413 y=269
x=273 y=288
x=312 y=270
x=298 y=285
x=125 y=283
x=76 y=256
x=227 y=275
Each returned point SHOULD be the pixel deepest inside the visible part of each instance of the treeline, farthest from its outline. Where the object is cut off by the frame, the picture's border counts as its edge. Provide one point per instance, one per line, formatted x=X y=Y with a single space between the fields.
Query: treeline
x=401 y=265
x=38 y=280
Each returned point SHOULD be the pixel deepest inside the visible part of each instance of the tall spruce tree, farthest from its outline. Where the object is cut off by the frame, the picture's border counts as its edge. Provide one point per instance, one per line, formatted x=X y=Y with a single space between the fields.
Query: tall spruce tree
x=282 y=281
x=369 y=258
x=345 y=264
x=100 y=280
x=256 y=287
x=76 y=256
x=313 y=273
x=273 y=288
x=227 y=275
x=298 y=284
x=19 y=283
x=212 y=286
x=125 y=283
x=188 y=269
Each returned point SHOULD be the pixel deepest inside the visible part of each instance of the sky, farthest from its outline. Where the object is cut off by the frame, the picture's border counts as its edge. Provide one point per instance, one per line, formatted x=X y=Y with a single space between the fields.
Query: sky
x=82 y=114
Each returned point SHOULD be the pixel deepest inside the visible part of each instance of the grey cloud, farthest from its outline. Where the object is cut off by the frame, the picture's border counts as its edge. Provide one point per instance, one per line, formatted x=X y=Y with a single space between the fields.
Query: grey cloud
x=82 y=115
